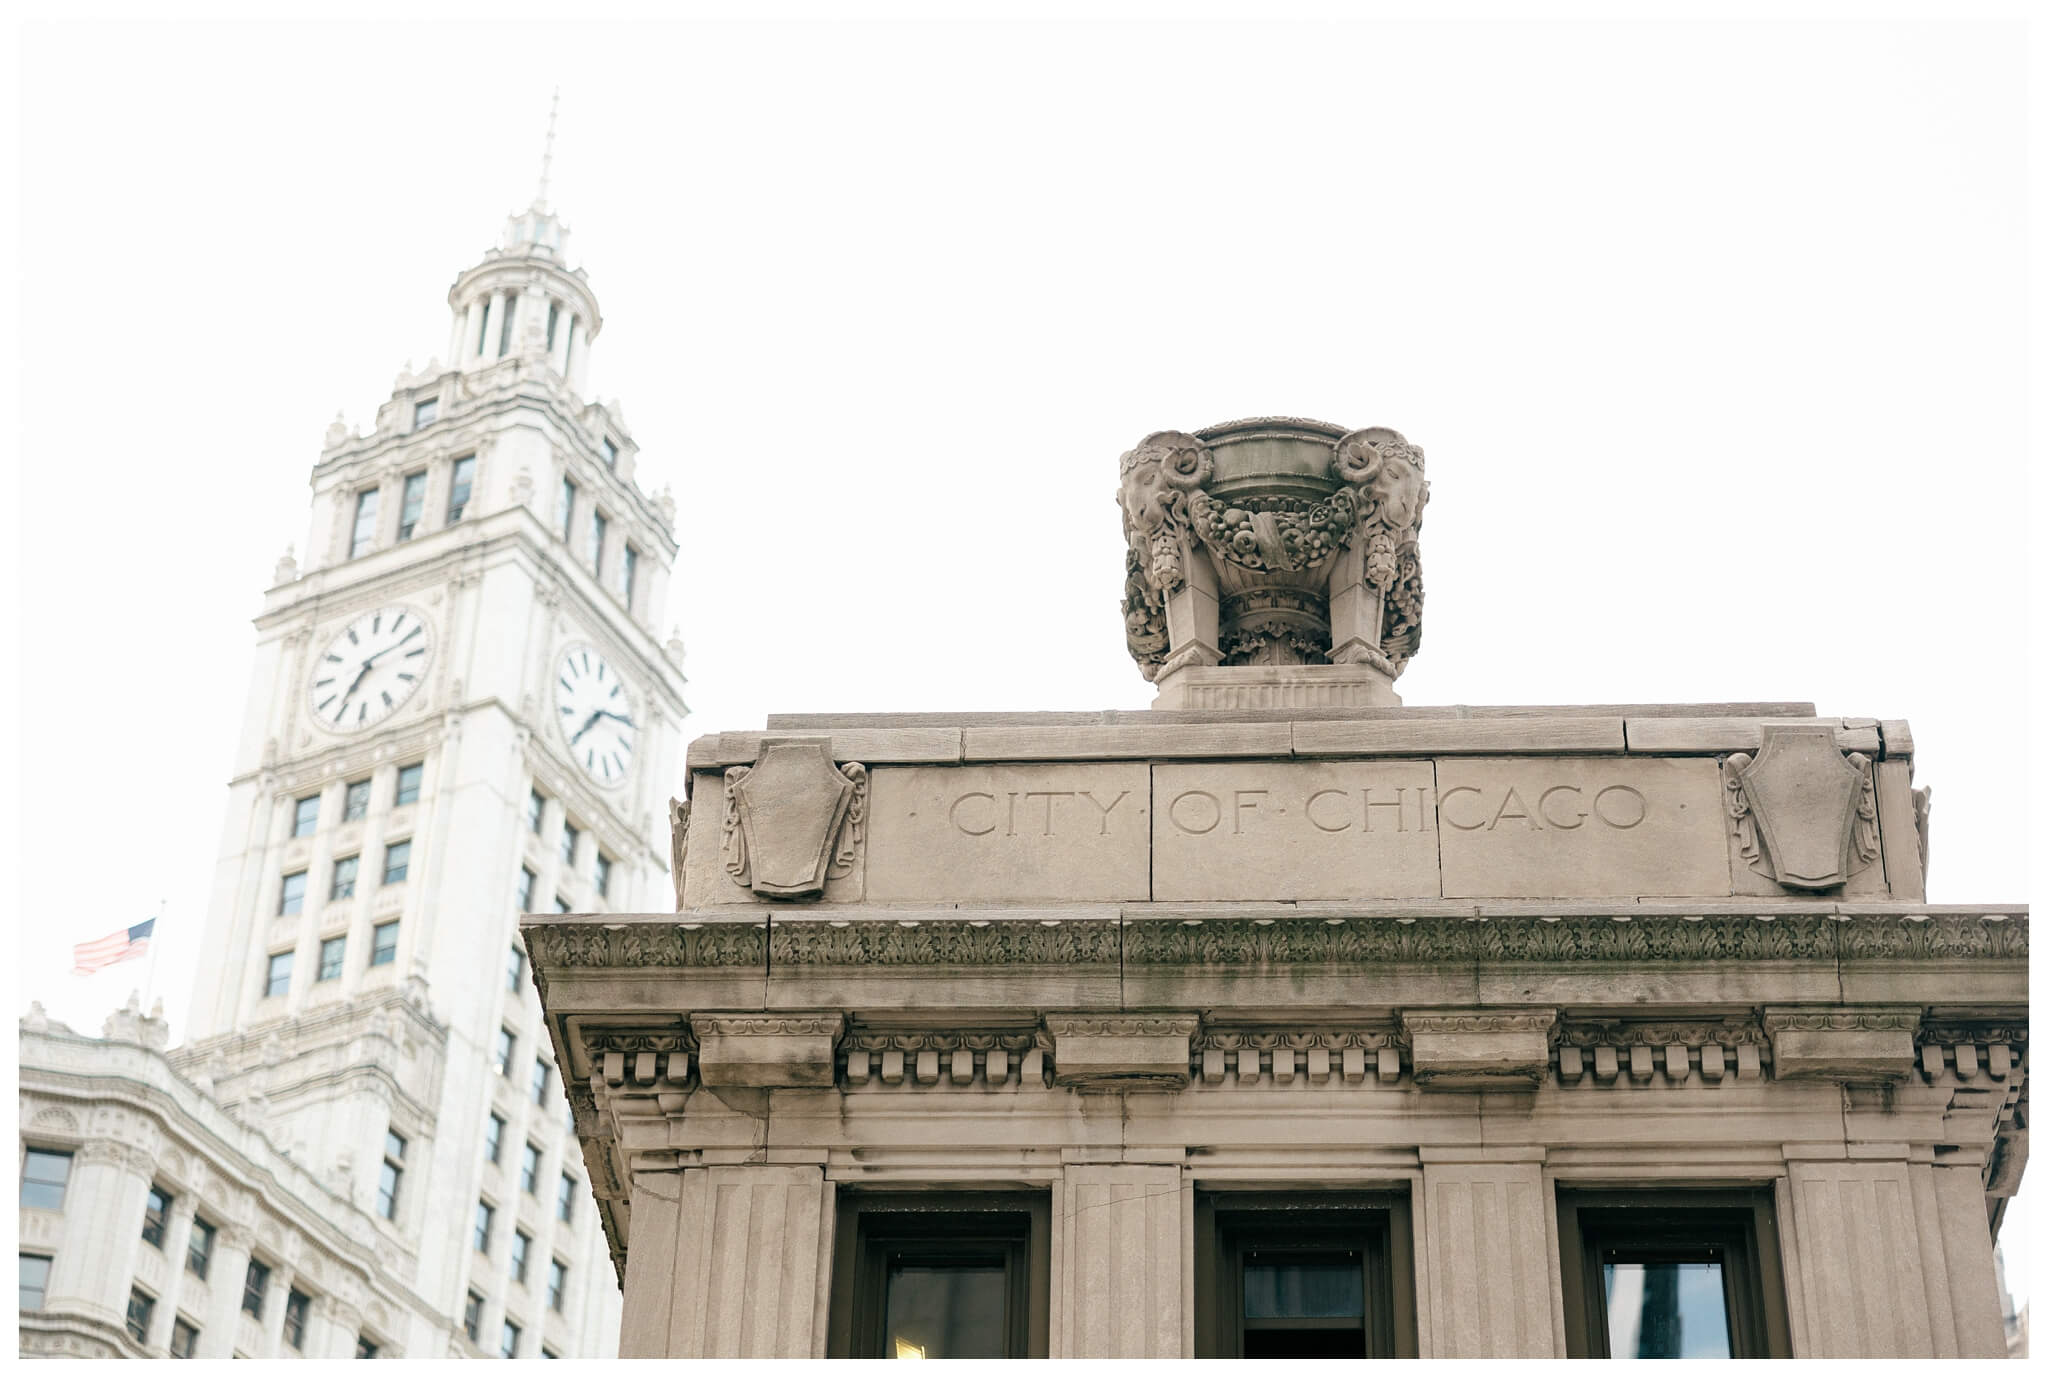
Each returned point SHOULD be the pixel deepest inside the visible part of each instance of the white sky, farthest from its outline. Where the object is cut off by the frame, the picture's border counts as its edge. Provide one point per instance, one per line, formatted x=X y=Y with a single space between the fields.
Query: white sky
x=1714 y=333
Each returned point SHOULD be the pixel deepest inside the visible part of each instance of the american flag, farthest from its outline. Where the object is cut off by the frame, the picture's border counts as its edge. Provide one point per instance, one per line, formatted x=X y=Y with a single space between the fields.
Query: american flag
x=117 y=946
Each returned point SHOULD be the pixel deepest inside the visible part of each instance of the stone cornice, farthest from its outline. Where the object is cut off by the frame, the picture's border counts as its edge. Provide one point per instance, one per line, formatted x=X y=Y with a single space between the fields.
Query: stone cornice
x=1810 y=934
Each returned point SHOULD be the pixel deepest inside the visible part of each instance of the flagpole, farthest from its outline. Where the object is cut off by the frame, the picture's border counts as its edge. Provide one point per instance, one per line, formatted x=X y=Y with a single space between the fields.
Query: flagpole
x=149 y=977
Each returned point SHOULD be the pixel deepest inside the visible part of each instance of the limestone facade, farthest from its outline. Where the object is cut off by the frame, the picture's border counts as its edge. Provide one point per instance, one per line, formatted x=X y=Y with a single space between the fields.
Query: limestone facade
x=1472 y=973
x=478 y=609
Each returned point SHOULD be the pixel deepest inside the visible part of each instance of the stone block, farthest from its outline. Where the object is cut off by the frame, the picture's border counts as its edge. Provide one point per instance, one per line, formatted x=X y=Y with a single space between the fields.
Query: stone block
x=748 y=1050
x=1711 y=736
x=1010 y=833
x=1275 y=686
x=1854 y=1045
x=1564 y=828
x=1294 y=830
x=1460 y=736
x=1124 y=741
x=1121 y=1052
x=1479 y=1049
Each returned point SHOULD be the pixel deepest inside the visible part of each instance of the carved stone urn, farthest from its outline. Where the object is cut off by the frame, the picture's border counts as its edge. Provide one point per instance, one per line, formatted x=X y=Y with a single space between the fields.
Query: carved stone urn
x=1273 y=562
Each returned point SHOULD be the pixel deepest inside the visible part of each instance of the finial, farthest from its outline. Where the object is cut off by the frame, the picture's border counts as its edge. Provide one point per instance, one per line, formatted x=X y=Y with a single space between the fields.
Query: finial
x=547 y=152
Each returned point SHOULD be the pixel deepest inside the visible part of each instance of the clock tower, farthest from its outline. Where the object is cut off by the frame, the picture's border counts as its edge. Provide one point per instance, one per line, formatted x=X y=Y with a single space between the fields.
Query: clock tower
x=461 y=710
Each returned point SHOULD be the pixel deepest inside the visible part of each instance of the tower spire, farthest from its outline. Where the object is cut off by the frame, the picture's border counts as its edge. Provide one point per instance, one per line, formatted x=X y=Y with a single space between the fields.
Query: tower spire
x=547 y=152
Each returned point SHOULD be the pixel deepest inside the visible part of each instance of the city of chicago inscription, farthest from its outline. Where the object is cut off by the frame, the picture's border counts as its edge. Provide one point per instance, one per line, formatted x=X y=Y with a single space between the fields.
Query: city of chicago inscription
x=1580 y=827
x=1295 y=830
x=1025 y=832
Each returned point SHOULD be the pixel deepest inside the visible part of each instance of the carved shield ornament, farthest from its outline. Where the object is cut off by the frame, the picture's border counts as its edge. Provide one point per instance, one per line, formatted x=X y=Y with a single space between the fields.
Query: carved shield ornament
x=1804 y=795
x=784 y=815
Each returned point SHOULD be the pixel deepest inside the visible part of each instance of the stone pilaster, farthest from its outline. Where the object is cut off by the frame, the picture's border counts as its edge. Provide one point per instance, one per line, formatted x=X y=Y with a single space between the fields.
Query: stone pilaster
x=728 y=1263
x=1958 y=1192
x=224 y=1278
x=102 y=1230
x=1119 y=1262
x=1859 y=1272
x=1487 y=1261
x=177 y=1239
x=281 y=1278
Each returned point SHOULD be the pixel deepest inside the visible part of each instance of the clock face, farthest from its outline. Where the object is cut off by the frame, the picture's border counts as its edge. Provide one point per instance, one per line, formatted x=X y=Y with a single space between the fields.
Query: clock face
x=595 y=714
x=375 y=664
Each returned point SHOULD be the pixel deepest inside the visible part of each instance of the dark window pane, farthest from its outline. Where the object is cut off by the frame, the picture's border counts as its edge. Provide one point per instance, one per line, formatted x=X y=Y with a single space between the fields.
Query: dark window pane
x=365 y=532
x=254 y=1284
x=292 y=897
x=397 y=861
x=306 y=816
x=414 y=504
x=156 y=1210
x=424 y=412
x=355 y=804
x=946 y=1312
x=199 y=1248
x=409 y=784
x=1665 y=1310
x=458 y=487
x=141 y=1306
x=332 y=950
x=43 y=1175
x=344 y=886
x=384 y=944
x=278 y=978
x=1298 y=1289
x=184 y=1339
x=35 y=1280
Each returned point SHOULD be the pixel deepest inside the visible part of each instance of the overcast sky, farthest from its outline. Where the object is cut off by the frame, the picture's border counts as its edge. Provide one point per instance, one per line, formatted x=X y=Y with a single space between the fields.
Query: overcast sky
x=1713 y=332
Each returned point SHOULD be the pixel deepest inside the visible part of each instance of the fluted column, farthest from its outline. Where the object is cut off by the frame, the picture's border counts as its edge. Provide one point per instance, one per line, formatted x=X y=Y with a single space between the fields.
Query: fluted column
x=728 y=1263
x=1117 y=1276
x=177 y=1239
x=1860 y=1273
x=224 y=1277
x=103 y=1204
x=1487 y=1261
x=273 y=1310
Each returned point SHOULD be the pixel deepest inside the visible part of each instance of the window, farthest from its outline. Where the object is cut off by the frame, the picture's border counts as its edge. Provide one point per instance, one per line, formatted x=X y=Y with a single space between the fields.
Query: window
x=629 y=566
x=156 y=1215
x=522 y=1243
x=547 y=1353
x=412 y=504
x=536 y=807
x=332 y=950
x=539 y=1085
x=525 y=890
x=141 y=1306
x=292 y=897
x=529 y=1170
x=365 y=533
x=506 y=315
x=558 y=1283
x=515 y=968
x=501 y=1057
x=568 y=509
x=494 y=1137
x=950 y=1276
x=43 y=1175
x=277 y=980
x=424 y=412
x=571 y=835
x=554 y=311
x=344 y=886
x=597 y=529
x=306 y=816
x=35 y=1280
x=296 y=1304
x=611 y=453
x=397 y=860
x=458 y=487
x=408 y=791
x=565 y=1198
x=1671 y=1274
x=184 y=1338
x=604 y=875
x=255 y=1283
x=392 y=1174
x=384 y=944
x=365 y=1347
x=569 y=346
x=480 y=1234
x=473 y=1317
x=355 y=801
x=199 y=1248
x=1313 y=1275
x=509 y=1343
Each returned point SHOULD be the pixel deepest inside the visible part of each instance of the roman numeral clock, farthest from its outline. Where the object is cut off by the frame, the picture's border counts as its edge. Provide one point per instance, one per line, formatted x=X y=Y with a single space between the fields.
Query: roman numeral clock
x=594 y=710
x=370 y=669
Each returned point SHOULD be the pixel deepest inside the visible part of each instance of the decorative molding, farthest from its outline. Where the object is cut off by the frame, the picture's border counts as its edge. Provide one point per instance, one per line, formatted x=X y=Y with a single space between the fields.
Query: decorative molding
x=773 y=1025
x=986 y=1059
x=1841 y=1021
x=678 y=844
x=1121 y=1026
x=1479 y=1022
x=1226 y=1057
x=685 y=945
x=944 y=942
x=1804 y=813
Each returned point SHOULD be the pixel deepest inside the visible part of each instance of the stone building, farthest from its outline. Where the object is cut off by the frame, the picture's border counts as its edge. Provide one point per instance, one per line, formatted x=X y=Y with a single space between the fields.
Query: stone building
x=461 y=709
x=1283 y=1019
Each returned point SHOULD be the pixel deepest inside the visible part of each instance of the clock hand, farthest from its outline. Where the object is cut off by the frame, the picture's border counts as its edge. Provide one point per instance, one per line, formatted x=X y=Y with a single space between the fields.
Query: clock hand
x=356 y=682
x=586 y=727
x=625 y=718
